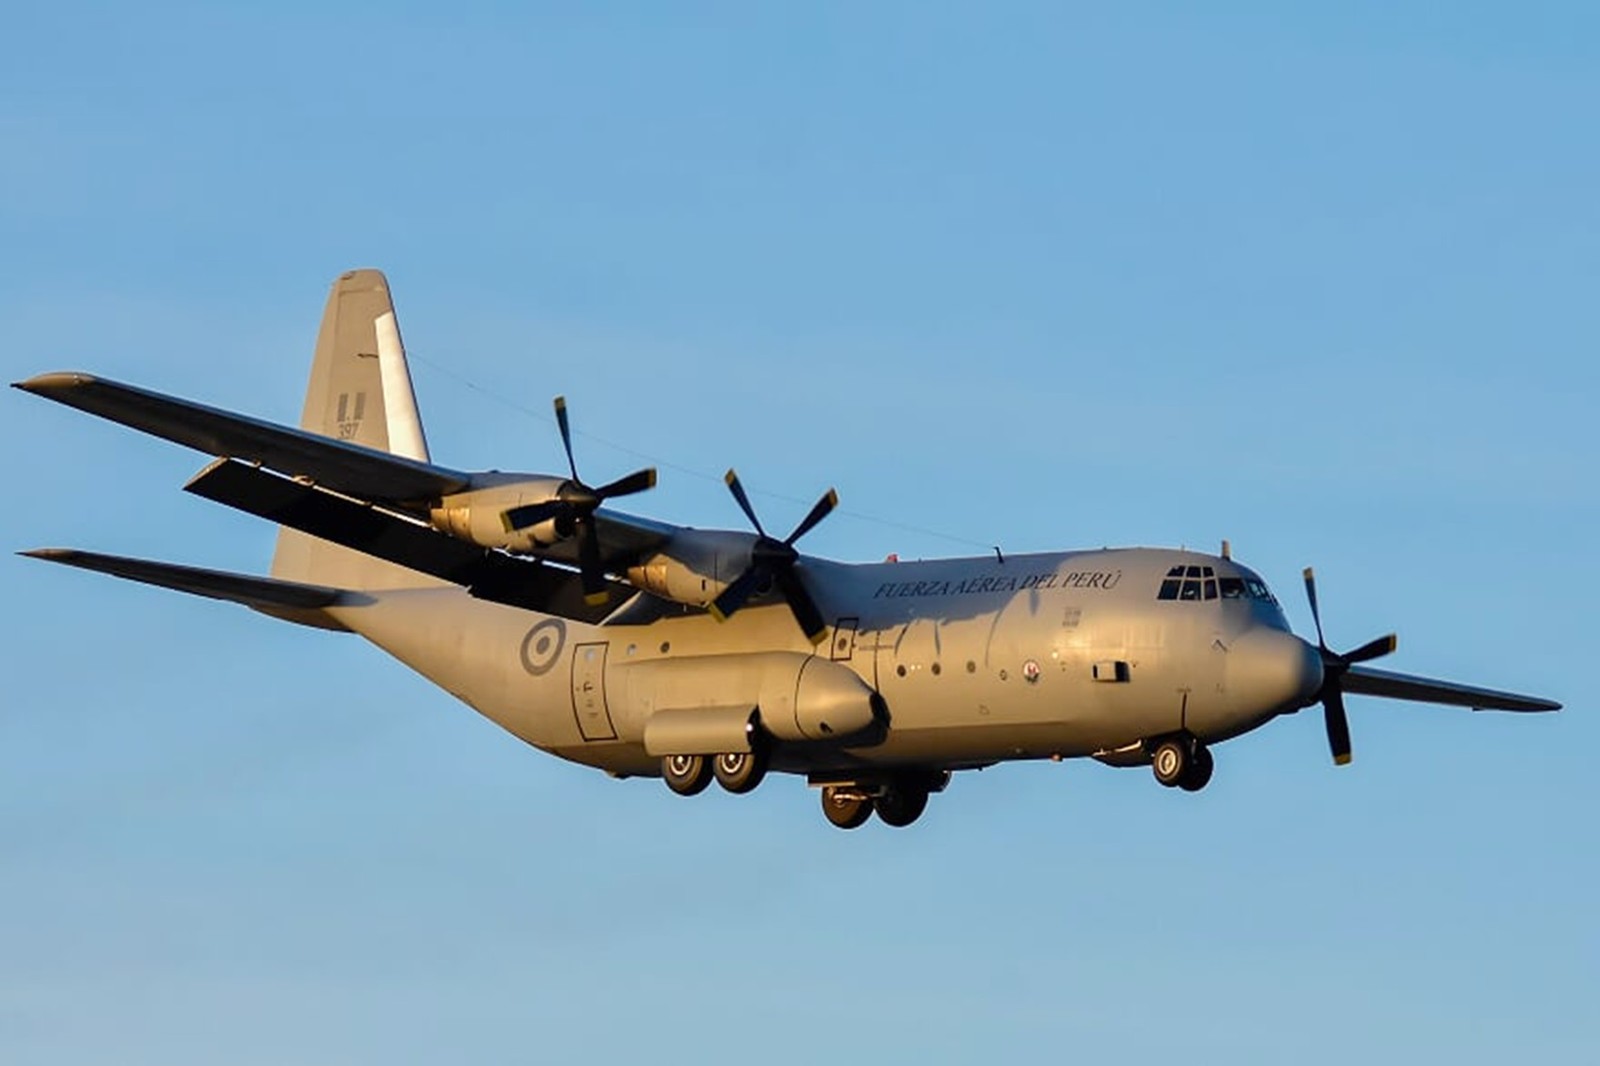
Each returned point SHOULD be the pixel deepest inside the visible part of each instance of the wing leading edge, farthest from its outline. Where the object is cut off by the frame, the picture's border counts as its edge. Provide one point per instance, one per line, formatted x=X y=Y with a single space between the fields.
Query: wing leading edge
x=1366 y=681
x=339 y=465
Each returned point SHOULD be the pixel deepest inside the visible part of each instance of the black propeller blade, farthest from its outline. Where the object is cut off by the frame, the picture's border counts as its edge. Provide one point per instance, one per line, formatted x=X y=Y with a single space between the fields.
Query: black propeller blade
x=575 y=504
x=1334 y=667
x=772 y=564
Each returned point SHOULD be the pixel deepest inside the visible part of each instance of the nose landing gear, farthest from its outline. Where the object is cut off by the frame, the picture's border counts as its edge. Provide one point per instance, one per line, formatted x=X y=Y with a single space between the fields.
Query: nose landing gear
x=1182 y=762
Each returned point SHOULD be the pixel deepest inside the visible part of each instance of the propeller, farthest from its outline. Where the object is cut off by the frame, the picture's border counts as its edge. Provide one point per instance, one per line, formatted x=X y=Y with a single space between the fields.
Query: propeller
x=1334 y=667
x=772 y=563
x=576 y=503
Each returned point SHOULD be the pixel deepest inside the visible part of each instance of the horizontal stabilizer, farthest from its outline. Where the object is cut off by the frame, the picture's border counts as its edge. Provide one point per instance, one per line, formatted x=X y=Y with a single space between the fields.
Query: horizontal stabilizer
x=281 y=599
x=487 y=574
x=340 y=465
x=1369 y=682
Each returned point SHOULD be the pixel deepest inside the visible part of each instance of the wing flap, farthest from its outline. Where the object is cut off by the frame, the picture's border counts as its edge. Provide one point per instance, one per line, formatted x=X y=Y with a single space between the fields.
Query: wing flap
x=1369 y=682
x=340 y=465
x=282 y=599
x=487 y=574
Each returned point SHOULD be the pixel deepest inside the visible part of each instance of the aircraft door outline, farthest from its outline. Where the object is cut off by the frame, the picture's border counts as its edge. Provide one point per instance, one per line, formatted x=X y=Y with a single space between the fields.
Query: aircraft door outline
x=589 y=691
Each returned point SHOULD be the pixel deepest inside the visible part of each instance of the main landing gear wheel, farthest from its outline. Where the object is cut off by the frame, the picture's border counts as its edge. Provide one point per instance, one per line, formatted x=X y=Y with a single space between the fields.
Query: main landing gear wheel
x=900 y=805
x=687 y=775
x=740 y=771
x=1199 y=770
x=847 y=808
x=1170 y=761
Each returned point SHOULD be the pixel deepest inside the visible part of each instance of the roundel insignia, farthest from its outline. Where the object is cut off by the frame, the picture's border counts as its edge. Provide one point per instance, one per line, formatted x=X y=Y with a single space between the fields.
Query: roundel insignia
x=541 y=648
x=1030 y=671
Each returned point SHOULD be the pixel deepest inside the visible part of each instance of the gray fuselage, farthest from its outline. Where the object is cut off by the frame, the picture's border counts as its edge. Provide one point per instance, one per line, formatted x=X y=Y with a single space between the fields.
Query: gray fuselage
x=977 y=660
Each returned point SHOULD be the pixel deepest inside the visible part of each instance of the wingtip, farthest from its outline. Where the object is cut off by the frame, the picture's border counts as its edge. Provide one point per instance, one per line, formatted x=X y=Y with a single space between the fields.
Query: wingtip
x=54 y=381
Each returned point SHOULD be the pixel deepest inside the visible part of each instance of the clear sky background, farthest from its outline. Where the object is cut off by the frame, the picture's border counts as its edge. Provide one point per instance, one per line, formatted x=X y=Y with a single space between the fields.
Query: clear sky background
x=1320 y=279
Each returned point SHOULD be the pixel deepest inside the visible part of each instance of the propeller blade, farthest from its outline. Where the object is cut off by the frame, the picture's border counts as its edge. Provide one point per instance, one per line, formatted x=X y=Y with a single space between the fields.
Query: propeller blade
x=1372 y=649
x=737 y=594
x=1338 y=725
x=592 y=570
x=566 y=434
x=1316 y=616
x=821 y=510
x=744 y=501
x=531 y=514
x=637 y=481
x=800 y=602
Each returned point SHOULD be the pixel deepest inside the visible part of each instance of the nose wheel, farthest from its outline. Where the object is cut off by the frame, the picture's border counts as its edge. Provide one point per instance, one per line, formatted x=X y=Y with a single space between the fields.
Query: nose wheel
x=1182 y=762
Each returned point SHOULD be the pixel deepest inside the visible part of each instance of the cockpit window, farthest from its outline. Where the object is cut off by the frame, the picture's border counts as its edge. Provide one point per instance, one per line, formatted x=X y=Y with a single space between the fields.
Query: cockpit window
x=1201 y=583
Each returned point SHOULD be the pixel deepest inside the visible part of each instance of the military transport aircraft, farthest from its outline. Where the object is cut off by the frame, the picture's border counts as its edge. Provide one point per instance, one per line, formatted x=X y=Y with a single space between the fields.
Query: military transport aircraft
x=649 y=649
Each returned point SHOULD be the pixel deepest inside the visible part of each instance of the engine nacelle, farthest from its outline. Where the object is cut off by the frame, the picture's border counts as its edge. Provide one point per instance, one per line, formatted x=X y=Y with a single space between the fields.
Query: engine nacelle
x=695 y=567
x=478 y=514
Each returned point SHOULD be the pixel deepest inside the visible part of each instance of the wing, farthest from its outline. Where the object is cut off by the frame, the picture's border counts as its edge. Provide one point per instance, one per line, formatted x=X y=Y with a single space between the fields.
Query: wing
x=1369 y=682
x=339 y=465
x=347 y=479
x=486 y=573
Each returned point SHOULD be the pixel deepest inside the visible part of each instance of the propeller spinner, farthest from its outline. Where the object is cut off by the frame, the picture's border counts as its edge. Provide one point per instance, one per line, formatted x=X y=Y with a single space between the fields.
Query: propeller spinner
x=772 y=563
x=1334 y=667
x=576 y=503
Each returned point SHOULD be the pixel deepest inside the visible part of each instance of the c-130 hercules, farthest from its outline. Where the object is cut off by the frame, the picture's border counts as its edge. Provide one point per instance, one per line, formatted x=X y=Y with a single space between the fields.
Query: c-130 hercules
x=649 y=649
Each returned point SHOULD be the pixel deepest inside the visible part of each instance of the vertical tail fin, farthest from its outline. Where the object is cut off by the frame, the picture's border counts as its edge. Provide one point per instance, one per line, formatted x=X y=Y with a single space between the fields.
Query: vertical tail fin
x=360 y=391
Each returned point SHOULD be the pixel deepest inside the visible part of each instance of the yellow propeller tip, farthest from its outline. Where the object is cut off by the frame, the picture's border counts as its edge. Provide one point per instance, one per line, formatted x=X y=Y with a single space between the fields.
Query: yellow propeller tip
x=818 y=637
x=561 y=403
x=730 y=477
x=597 y=599
x=833 y=501
x=1341 y=760
x=711 y=608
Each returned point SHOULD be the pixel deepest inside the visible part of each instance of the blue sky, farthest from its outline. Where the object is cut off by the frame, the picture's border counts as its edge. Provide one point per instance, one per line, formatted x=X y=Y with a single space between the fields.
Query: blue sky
x=1318 y=281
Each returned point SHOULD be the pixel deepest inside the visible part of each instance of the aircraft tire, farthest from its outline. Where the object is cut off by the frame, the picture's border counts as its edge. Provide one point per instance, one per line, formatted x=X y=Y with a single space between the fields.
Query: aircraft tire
x=687 y=775
x=1170 y=761
x=900 y=805
x=740 y=771
x=845 y=808
x=1199 y=770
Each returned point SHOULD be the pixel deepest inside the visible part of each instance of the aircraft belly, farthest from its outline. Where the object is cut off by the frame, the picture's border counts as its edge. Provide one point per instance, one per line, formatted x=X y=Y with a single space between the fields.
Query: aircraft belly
x=513 y=666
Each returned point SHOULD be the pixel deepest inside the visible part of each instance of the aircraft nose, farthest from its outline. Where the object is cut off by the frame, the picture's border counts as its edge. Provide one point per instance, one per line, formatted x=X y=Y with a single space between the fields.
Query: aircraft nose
x=1274 y=670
